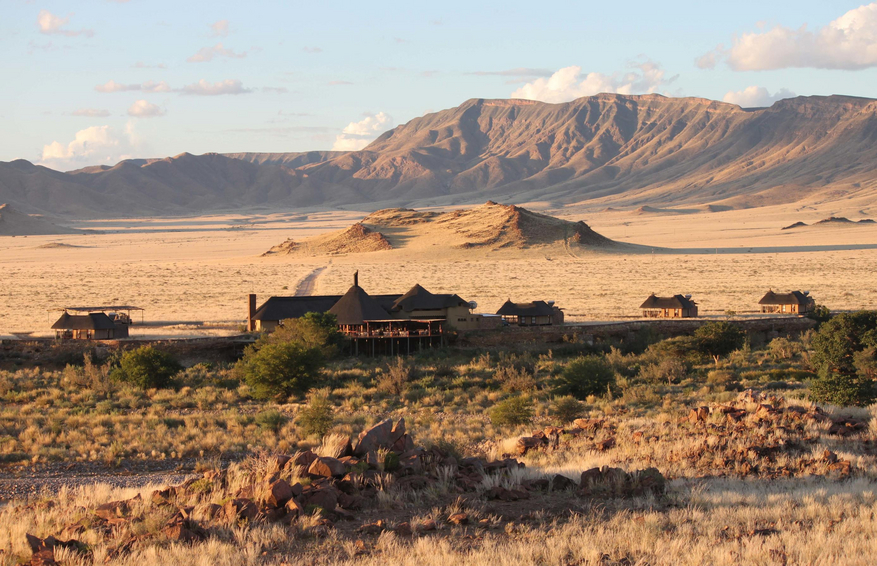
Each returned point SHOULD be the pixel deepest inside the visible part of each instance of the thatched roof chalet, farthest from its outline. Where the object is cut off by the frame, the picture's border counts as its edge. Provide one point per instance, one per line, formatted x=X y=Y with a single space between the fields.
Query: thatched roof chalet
x=791 y=298
x=533 y=308
x=419 y=299
x=91 y=321
x=356 y=307
x=674 y=302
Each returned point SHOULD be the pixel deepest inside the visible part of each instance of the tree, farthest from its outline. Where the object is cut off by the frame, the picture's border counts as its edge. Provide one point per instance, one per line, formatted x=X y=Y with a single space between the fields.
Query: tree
x=718 y=339
x=512 y=411
x=314 y=330
x=318 y=416
x=841 y=359
x=584 y=376
x=280 y=369
x=146 y=367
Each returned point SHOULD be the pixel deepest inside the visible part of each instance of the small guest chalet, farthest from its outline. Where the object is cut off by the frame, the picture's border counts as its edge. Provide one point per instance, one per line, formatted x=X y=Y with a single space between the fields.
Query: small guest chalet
x=793 y=302
x=535 y=313
x=677 y=306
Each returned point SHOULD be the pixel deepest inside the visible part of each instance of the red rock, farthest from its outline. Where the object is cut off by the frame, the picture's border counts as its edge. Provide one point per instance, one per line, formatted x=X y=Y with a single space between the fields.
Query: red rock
x=327 y=468
x=458 y=518
x=829 y=456
x=279 y=492
x=604 y=445
x=112 y=510
x=241 y=509
x=375 y=528
x=304 y=459
x=403 y=529
x=527 y=443
x=426 y=526
x=378 y=436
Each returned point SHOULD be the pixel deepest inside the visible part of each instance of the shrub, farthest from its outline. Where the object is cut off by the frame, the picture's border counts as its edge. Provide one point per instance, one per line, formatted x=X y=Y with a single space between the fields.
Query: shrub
x=587 y=375
x=146 y=368
x=669 y=370
x=317 y=417
x=395 y=380
x=567 y=409
x=718 y=339
x=313 y=330
x=783 y=349
x=845 y=376
x=513 y=411
x=278 y=370
x=272 y=420
x=679 y=347
x=512 y=378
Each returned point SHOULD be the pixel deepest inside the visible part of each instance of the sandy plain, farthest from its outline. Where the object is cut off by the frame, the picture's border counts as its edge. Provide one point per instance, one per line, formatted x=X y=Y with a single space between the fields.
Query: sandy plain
x=192 y=275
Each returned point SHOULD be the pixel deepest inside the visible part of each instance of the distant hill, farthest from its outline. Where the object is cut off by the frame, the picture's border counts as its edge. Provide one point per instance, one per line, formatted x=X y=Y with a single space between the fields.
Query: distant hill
x=601 y=150
x=489 y=227
x=14 y=223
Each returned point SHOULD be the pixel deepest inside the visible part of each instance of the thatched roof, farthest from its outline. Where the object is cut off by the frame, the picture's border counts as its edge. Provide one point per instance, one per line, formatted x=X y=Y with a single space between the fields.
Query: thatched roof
x=791 y=298
x=285 y=308
x=674 y=302
x=534 y=308
x=419 y=299
x=356 y=307
x=91 y=321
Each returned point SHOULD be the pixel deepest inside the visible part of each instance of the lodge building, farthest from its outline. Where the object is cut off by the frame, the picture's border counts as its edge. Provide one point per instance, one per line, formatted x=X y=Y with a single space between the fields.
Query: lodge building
x=677 y=306
x=793 y=302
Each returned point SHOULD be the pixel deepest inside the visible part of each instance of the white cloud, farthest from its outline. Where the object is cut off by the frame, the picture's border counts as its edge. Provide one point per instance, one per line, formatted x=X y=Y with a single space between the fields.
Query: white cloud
x=220 y=28
x=148 y=86
x=142 y=65
x=756 y=97
x=51 y=24
x=357 y=135
x=94 y=145
x=91 y=113
x=206 y=54
x=145 y=109
x=849 y=42
x=570 y=83
x=204 y=88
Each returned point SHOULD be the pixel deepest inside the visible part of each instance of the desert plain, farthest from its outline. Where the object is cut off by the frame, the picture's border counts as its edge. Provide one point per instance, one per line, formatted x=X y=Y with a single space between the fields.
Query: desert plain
x=192 y=275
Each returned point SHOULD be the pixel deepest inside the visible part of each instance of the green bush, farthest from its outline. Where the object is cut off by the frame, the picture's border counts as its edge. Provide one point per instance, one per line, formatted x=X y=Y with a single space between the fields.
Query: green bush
x=845 y=375
x=395 y=380
x=512 y=411
x=272 y=420
x=567 y=409
x=584 y=376
x=313 y=330
x=318 y=416
x=277 y=370
x=146 y=368
x=718 y=339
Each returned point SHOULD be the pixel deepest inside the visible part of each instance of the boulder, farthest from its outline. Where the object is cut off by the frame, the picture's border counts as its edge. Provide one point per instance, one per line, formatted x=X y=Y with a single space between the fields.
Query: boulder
x=279 y=492
x=527 y=443
x=458 y=518
x=241 y=510
x=560 y=482
x=378 y=436
x=304 y=459
x=326 y=467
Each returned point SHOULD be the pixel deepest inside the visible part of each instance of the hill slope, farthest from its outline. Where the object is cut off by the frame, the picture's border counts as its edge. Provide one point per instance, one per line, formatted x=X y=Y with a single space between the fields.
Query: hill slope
x=14 y=223
x=623 y=150
x=490 y=227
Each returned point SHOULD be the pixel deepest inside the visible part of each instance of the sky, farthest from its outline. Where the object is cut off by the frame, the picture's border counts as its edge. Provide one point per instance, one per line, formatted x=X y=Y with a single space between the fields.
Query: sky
x=97 y=81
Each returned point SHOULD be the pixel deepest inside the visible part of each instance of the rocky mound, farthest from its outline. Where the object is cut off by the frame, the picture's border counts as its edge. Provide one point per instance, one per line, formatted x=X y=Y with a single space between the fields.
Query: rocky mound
x=356 y=239
x=489 y=227
x=830 y=221
x=15 y=223
x=321 y=495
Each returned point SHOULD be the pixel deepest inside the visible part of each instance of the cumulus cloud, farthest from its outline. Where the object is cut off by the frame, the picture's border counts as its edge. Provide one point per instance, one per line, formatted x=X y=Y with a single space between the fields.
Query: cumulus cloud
x=91 y=113
x=849 y=42
x=220 y=28
x=145 y=109
x=206 y=54
x=148 y=86
x=756 y=97
x=51 y=24
x=205 y=88
x=570 y=83
x=357 y=135
x=94 y=145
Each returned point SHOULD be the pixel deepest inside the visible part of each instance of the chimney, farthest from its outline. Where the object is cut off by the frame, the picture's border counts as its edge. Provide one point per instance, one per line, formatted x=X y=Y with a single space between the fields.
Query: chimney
x=356 y=278
x=251 y=312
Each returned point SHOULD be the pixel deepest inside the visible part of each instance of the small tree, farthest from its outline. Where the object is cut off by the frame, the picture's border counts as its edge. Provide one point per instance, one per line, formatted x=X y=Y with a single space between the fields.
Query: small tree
x=146 y=367
x=512 y=411
x=586 y=375
x=841 y=358
x=314 y=330
x=718 y=339
x=395 y=380
x=567 y=409
x=279 y=370
x=318 y=416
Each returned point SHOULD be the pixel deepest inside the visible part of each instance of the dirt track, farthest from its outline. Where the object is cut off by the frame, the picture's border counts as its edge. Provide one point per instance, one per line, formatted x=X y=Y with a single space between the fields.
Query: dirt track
x=306 y=285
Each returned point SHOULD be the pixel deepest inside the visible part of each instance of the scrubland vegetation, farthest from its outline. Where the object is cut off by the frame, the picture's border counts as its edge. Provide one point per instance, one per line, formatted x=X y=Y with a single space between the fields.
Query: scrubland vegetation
x=766 y=442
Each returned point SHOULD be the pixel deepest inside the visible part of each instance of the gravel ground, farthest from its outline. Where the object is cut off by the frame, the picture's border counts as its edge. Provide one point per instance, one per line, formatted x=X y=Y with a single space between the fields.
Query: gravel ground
x=27 y=481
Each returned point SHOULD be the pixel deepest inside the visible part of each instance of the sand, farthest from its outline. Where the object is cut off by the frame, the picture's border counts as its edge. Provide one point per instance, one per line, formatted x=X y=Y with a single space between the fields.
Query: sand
x=190 y=271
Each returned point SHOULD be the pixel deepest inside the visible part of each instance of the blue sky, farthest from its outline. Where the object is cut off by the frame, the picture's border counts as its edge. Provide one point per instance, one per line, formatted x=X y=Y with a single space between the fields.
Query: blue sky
x=96 y=81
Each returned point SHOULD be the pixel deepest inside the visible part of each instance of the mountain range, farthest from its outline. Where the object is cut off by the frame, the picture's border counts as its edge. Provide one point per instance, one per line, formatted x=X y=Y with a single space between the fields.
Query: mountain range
x=596 y=151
